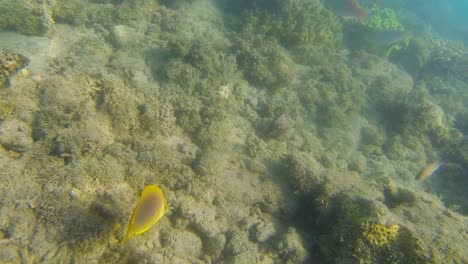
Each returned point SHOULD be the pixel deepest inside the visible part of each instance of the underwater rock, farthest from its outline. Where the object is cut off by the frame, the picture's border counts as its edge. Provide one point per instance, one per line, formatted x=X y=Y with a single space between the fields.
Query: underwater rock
x=102 y=14
x=125 y=37
x=387 y=37
x=358 y=163
x=256 y=166
x=397 y=196
x=283 y=124
x=371 y=135
x=263 y=231
x=430 y=116
x=182 y=243
x=291 y=248
x=71 y=11
x=25 y=16
x=415 y=57
x=293 y=23
x=177 y=4
x=10 y=63
x=238 y=242
x=245 y=257
x=463 y=150
x=15 y=135
x=449 y=63
x=264 y=62
x=214 y=246
x=202 y=217
x=9 y=254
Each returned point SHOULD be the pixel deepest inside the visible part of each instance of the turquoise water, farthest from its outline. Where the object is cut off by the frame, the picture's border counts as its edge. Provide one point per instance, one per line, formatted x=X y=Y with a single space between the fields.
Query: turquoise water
x=292 y=131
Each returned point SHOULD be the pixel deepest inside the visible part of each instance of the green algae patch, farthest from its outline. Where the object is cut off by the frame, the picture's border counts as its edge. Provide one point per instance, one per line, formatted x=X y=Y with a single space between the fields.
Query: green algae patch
x=384 y=18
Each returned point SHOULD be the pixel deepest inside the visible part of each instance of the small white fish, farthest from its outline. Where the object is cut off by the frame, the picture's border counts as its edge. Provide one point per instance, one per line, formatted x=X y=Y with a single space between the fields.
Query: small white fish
x=430 y=169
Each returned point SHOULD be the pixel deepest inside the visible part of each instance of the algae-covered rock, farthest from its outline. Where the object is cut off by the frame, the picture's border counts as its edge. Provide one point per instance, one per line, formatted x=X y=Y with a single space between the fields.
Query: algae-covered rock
x=263 y=231
x=415 y=57
x=203 y=63
x=238 y=242
x=15 y=135
x=126 y=37
x=293 y=22
x=449 y=62
x=351 y=225
x=102 y=14
x=176 y=4
x=9 y=254
x=332 y=95
x=372 y=136
x=202 y=217
x=67 y=102
x=291 y=248
x=70 y=11
x=214 y=246
x=136 y=14
x=182 y=243
x=10 y=63
x=26 y=16
x=115 y=100
x=239 y=249
x=264 y=63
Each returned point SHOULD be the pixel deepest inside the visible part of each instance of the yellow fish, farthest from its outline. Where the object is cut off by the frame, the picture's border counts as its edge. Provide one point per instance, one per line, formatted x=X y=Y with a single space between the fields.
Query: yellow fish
x=150 y=208
x=428 y=170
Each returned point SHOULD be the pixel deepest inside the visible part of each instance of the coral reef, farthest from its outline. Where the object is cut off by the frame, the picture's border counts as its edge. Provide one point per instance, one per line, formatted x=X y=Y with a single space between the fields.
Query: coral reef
x=10 y=63
x=15 y=135
x=271 y=141
x=293 y=22
x=264 y=63
x=449 y=62
x=70 y=11
x=379 y=235
x=356 y=228
x=25 y=16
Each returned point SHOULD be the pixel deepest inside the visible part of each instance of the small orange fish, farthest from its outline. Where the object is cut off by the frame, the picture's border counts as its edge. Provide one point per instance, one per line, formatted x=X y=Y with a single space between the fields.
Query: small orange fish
x=430 y=169
x=150 y=208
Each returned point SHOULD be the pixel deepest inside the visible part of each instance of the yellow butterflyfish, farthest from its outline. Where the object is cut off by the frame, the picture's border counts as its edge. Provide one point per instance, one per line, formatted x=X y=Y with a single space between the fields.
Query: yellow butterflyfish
x=151 y=207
